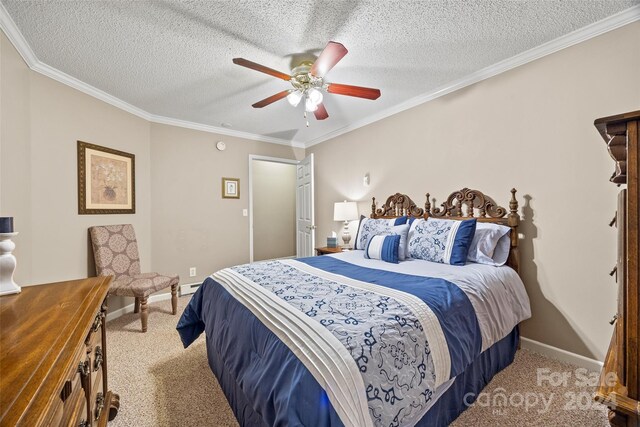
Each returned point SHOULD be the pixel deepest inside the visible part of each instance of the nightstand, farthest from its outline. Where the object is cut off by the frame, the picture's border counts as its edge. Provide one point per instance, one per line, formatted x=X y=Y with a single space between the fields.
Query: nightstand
x=325 y=250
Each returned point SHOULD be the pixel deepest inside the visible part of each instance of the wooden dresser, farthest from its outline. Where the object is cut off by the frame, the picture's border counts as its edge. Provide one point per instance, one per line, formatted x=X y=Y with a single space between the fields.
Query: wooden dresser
x=53 y=356
x=619 y=387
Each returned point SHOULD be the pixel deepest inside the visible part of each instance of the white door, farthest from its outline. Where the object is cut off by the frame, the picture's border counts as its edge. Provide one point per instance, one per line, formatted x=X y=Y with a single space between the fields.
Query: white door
x=305 y=228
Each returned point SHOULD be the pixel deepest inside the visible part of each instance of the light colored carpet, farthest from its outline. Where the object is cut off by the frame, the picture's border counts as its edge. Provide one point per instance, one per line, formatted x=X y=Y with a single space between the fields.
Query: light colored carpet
x=162 y=384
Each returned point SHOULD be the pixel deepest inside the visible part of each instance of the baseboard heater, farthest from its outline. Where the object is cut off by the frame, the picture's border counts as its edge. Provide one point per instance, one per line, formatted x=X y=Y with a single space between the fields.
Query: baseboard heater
x=189 y=288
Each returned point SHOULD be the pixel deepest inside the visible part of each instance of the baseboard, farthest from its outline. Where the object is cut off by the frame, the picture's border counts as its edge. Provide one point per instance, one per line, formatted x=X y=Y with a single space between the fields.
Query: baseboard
x=129 y=308
x=189 y=288
x=561 y=355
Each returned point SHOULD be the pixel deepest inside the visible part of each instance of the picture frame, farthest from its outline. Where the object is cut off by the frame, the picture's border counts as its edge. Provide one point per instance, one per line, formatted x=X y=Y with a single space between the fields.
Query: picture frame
x=230 y=188
x=106 y=180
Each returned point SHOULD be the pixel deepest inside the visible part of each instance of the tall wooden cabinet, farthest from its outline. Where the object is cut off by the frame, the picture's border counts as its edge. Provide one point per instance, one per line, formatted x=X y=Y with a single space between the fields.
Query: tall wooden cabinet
x=619 y=387
x=53 y=356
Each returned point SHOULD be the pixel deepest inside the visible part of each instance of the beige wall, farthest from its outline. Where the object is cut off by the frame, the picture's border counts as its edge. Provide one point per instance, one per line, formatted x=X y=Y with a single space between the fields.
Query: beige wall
x=41 y=122
x=274 y=210
x=192 y=226
x=529 y=128
x=187 y=225
x=15 y=151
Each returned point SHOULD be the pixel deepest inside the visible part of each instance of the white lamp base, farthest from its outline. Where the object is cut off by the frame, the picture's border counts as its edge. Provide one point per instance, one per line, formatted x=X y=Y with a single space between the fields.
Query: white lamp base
x=346 y=237
x=7 y=265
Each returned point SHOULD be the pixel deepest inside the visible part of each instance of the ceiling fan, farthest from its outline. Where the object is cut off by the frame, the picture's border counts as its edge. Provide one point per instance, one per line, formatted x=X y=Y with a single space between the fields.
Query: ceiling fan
x=308 y=82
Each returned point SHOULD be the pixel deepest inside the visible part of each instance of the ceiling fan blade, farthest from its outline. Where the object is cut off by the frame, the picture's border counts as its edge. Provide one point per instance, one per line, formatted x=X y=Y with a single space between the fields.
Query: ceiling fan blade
x=329 y=57
x=254 y=66
x=321 y=112
x=270 y=100
x=358 y=91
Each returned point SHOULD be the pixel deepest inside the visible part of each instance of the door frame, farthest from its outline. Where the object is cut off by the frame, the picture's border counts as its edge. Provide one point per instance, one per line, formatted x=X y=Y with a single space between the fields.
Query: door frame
x=253 y=157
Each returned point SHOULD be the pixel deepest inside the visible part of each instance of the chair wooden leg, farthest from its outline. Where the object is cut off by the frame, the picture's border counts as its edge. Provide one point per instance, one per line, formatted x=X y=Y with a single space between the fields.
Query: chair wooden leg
x=144 y=313
x=174 y=299
x=136 y=307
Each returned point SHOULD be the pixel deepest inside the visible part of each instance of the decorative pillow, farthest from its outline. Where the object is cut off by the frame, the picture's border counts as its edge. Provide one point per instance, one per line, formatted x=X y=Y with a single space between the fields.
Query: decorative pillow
x=445 y=241
x=403 y=232
x=490 y=244
x=369 y=227
x=384 y=248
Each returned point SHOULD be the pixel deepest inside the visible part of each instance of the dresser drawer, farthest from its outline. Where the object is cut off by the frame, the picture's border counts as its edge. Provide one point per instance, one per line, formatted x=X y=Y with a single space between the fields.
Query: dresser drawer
x=80 y=419
x=71 y=395
x=53 y=363
x=75 y=409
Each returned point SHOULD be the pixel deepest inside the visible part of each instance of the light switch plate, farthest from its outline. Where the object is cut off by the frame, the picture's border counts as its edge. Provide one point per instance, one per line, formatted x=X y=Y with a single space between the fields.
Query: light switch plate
x=245 y=212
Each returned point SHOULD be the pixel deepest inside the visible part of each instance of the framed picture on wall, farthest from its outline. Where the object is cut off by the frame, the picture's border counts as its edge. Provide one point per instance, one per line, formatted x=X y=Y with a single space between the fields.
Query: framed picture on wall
x=106 y=180
x=230 y=188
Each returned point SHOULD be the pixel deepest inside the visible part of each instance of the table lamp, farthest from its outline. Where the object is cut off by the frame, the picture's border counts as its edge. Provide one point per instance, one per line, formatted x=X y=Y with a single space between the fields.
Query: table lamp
x=345 y=211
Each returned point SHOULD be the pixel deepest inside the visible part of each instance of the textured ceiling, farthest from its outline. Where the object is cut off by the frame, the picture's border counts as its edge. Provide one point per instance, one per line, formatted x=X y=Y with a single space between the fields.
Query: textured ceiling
x=173 y=58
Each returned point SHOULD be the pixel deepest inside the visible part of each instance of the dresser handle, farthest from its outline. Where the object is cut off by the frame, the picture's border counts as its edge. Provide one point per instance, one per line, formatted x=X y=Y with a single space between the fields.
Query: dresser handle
x=612 y=321
x=99 y=405
x=97 y=322
x=83 y=368
x=98 y=359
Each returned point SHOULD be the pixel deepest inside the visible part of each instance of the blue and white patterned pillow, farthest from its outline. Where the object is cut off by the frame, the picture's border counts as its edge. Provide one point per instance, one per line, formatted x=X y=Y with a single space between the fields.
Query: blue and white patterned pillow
x=445 y=241
x=369 y=227
x=383 y=247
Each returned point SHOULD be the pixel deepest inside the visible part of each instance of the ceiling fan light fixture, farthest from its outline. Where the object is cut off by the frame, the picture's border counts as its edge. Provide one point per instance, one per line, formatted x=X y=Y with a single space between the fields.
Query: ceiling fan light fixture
x=315 y=95
x=294 y=98
x=309 y=105
x=307 y=81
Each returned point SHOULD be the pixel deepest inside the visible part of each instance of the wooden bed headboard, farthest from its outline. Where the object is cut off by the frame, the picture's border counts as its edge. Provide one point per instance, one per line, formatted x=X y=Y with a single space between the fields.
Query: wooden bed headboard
x=460 y=205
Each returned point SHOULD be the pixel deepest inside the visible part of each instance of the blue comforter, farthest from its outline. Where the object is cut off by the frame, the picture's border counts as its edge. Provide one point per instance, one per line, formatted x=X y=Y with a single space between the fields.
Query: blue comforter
x=268 y=381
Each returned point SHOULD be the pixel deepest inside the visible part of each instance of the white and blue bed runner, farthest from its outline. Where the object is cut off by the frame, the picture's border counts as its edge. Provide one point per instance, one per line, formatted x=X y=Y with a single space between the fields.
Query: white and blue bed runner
x=380 y=343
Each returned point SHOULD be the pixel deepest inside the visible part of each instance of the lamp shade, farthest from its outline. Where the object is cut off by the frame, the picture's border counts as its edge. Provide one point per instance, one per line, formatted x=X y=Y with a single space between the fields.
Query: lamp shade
x=345 y=211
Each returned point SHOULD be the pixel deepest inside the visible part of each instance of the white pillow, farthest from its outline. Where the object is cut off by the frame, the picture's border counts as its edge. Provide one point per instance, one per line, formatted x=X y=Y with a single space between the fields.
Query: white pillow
x=402 y=231
x=490 y=244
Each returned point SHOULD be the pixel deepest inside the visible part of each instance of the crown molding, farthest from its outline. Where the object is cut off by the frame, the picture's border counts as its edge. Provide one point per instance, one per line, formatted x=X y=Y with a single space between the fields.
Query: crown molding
x=77 y=84
x=223 y=131
x=16 y=38
x=585 y=33
x=593 y=30
x=24 y=49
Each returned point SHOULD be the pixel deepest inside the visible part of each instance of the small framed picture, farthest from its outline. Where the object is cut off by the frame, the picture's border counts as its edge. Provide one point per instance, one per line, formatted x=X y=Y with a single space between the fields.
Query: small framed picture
x=106 y=180
x=230 y=188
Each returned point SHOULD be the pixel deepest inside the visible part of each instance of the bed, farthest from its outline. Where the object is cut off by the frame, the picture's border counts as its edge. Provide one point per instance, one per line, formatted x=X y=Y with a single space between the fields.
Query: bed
x=344 y=340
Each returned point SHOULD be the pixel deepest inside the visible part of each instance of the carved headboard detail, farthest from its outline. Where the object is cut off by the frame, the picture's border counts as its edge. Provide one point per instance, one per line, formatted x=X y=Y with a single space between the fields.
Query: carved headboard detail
x=472 y=200
x=396 y=205
x=460 y=205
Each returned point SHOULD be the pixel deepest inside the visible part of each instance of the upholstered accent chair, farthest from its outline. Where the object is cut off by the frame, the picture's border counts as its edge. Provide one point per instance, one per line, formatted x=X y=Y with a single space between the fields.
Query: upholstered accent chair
x=115 y=251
